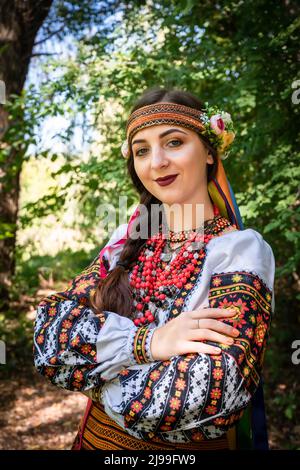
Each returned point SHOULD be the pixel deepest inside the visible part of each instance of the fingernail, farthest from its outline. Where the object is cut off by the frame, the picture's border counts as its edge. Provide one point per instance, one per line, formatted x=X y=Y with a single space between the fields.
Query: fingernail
x=217 y=350
x=236 y=332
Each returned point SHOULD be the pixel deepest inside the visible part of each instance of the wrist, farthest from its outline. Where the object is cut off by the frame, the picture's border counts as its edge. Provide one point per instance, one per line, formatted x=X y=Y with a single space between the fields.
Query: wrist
x=154 y=345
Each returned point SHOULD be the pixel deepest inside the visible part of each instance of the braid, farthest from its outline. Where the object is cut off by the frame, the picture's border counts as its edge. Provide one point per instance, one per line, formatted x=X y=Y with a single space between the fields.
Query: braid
x=113 y=293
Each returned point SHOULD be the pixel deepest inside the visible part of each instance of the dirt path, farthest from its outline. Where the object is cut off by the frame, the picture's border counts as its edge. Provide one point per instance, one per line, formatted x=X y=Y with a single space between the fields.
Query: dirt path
x=34 y=414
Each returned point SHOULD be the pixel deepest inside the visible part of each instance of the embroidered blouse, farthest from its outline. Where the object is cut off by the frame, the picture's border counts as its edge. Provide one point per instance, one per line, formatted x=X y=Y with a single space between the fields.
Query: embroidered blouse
x=108 y=358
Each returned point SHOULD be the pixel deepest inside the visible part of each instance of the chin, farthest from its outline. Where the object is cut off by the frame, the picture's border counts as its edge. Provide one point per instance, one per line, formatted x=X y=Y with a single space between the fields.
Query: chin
x=170 y=200
x=166 y=196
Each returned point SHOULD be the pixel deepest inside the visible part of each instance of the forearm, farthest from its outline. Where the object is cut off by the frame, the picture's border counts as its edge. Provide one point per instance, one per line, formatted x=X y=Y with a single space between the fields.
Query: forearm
x=77 y=350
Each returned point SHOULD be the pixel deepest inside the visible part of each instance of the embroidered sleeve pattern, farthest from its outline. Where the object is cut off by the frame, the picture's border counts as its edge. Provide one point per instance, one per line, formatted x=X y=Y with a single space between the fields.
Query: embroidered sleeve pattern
x=66 y=331
x=201 y=394
x=251 y=298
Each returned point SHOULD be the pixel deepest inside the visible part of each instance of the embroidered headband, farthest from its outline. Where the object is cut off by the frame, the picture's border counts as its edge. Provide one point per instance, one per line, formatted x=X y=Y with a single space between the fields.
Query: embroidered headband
x=212 y=123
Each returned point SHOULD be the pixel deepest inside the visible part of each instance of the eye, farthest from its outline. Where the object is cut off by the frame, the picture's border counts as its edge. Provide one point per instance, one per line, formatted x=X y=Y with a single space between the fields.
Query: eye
x=137 y=152
x=176 y=140
x=170 y=141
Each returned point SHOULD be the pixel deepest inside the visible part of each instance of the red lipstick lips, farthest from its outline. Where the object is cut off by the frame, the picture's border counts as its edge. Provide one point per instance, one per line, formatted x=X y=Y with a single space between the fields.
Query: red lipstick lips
x=166 y=180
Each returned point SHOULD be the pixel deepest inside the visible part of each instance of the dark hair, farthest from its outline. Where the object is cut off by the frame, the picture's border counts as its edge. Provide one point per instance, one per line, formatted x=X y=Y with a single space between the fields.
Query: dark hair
x=113 y=292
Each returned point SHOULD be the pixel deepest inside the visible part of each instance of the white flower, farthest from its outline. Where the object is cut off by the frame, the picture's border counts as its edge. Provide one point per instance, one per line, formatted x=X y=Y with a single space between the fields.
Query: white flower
x=125 y=149
x=226 y=117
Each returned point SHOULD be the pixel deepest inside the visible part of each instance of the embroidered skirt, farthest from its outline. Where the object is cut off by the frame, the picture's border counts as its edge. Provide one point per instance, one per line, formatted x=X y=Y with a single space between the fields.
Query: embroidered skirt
x=98 y=431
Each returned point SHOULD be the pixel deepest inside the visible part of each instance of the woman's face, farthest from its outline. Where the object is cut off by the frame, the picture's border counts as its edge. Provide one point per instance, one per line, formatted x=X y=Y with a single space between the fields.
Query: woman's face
x=164 y=150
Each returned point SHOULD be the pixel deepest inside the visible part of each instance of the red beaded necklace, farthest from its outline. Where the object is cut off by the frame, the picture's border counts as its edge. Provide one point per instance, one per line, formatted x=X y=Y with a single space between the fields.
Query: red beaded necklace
x=153 y=281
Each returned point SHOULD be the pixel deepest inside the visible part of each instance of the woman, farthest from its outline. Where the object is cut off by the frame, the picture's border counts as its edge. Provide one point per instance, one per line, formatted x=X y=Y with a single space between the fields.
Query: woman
x=166 y=333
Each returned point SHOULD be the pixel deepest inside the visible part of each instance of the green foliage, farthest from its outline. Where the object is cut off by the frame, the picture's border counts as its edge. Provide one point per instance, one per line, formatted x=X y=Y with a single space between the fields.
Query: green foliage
x=60 y=268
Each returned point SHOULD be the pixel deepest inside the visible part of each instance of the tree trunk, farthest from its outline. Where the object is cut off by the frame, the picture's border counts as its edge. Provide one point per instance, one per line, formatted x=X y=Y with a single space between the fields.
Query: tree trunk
x=20 y=21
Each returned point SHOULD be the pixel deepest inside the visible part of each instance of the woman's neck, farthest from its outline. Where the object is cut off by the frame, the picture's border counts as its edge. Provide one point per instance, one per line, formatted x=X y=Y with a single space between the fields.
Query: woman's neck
x=189 y=216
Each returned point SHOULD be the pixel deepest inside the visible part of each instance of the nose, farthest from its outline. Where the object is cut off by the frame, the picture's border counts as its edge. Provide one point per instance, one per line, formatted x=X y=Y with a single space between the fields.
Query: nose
x=159 y=158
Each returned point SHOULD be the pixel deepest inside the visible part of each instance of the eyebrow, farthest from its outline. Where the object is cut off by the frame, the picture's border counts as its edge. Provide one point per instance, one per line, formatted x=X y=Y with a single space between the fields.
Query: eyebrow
x=160 y=136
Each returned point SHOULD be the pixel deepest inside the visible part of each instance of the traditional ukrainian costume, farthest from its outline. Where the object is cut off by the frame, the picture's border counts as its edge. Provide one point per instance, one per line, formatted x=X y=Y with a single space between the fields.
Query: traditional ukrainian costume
x=191 y=401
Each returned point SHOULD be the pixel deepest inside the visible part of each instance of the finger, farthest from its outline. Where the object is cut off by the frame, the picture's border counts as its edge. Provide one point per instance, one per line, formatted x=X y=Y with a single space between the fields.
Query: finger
x=208 y=335
x=216 y=325
x=212 y=324
x=213 y=313
x=198 y=347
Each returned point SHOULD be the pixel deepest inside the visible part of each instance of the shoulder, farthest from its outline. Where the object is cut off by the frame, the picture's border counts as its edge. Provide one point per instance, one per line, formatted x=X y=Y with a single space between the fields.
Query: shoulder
x=242 y=250
x=245 y=240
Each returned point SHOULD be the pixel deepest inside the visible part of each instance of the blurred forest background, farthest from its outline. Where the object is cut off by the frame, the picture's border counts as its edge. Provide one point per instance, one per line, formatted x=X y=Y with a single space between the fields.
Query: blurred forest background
x=72 y=70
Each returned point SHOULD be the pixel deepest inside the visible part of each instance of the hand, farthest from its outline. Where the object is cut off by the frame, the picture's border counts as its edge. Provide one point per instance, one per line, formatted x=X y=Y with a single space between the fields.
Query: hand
x=185 y=333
